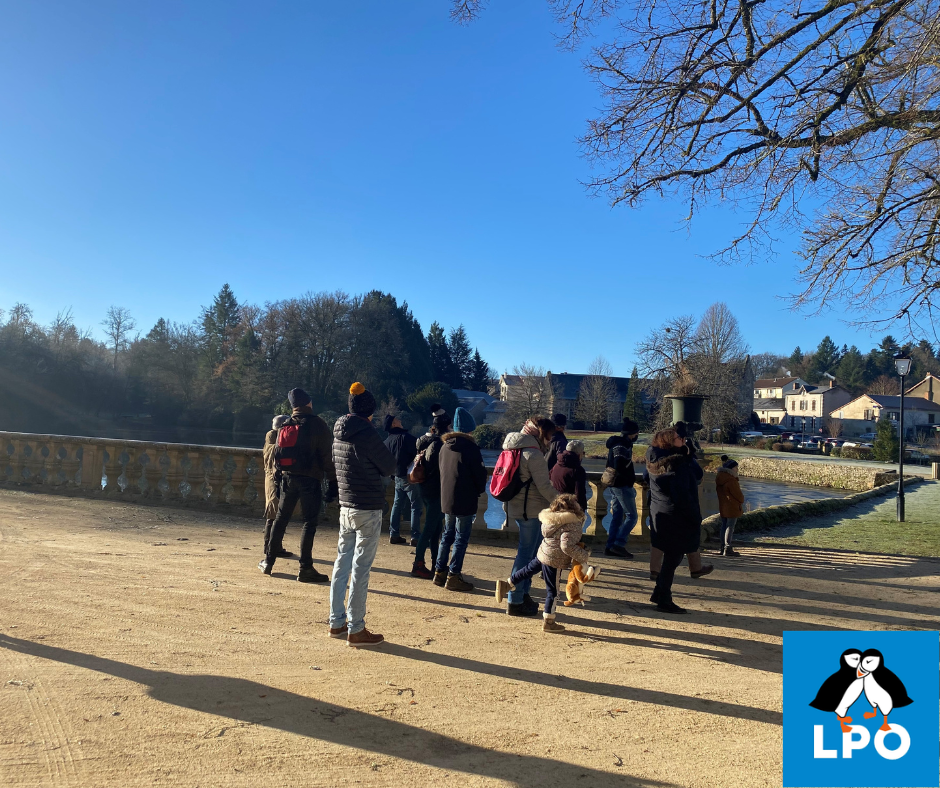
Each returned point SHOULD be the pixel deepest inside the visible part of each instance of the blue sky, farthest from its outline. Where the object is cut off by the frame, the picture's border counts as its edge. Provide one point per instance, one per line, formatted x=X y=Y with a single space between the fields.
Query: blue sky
x=151 y=151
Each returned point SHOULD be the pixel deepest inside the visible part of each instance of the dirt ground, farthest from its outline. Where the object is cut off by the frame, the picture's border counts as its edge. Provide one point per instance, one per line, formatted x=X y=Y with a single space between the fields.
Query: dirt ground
x=141 y=646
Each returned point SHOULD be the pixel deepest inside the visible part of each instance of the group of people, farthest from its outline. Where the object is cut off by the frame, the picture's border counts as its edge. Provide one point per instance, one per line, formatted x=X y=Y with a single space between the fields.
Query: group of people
x=442 y=474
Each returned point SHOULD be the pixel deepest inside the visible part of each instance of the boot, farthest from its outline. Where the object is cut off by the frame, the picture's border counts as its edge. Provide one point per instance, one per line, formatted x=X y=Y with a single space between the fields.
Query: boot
x=525 y=608
x=310 y=575
x=364 y=639
x=440 y=579
x=503 y=587
x=730 y=553
x=339 y=632
x=706 y=569
x=549 y=625
x=670 y=607
x=396 y=540
x=418 y=569
x=265 y=567
x=457 y=583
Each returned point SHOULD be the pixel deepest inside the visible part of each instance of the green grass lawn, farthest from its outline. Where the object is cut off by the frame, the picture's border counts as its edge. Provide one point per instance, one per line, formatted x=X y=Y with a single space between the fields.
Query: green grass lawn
x=871 y=527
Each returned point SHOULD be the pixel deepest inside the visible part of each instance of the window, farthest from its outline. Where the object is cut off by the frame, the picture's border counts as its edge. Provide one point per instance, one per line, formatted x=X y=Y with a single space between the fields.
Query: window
x=893 y=415
x=775 y=420
x=930 y=418
x=814 y=405
x=869 y=415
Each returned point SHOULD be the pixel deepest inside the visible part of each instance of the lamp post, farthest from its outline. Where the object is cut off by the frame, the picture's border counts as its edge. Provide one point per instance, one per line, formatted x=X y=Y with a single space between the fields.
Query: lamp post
x=903 y=365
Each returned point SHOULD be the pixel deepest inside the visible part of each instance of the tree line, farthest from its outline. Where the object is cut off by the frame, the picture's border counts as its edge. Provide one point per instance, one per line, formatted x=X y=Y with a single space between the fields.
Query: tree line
x=232 y=366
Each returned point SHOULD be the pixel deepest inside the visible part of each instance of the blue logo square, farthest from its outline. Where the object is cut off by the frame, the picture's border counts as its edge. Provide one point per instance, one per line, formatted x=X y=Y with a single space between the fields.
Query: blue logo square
x=860 y=709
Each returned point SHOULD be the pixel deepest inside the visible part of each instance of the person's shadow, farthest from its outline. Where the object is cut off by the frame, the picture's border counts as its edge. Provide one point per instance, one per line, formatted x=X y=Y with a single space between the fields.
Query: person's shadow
x=248 y=701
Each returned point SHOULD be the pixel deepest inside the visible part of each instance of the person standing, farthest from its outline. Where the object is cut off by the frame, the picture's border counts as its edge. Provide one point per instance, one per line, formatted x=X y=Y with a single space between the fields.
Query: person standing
x=429 y=447
x=532 y=441
x=558 y=442
x=403 y=446
x=463 y=481
x=303 y=466
x=675 y=513
x=272 y=483
x=730 y=504
x=568 y=474
x=362 y=459
x=623 y=514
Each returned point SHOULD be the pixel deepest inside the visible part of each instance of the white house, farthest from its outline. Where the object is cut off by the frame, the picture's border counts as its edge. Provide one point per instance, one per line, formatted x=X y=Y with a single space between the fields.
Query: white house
x=809 y=405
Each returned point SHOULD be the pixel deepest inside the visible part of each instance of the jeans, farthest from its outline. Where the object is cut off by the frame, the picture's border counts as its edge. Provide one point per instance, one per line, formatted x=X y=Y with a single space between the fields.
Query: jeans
x=406 y=495
x=549 y=574
x=309 y=492
x=359 y=531
x=530 y=537
x=622 y=515
x=431 y=533
x=727 y=530
x=456 y=533
x=663 y=590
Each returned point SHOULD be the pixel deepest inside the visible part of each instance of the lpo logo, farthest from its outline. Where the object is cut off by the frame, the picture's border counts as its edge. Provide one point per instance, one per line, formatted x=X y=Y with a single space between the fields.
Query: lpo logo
x=862 y=674
x=873 y=721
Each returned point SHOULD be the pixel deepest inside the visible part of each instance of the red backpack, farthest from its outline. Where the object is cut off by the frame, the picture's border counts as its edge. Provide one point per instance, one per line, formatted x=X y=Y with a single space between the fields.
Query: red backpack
x=507 y=482
x=291 y=450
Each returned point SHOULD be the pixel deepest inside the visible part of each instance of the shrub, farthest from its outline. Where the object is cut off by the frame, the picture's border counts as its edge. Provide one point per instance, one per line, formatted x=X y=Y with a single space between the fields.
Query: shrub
x=835 y=451
x=886 y=443
x=776 y=447
x=856 y=453
x=785 y=446
x=489 y=437
x=420 y=402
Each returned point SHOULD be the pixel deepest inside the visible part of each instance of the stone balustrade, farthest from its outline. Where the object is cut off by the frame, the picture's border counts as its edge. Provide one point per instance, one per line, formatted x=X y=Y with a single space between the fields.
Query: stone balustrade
x=219 y=478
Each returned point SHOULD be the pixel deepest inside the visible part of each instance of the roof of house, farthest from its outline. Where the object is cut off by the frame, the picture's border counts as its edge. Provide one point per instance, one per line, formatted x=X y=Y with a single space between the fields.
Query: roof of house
x=922 y=382
x=819 y=388
x=772 y=383
x=462 y=394
x=910 y=403
x=569 y=385
x=770 y=404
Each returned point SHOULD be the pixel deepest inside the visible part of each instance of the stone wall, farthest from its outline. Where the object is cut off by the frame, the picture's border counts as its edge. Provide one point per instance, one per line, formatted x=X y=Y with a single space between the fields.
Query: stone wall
x=817 y=474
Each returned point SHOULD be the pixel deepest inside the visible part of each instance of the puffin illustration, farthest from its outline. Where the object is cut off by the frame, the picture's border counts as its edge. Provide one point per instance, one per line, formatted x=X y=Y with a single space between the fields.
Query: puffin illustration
x=884 y=690
x=842 y=688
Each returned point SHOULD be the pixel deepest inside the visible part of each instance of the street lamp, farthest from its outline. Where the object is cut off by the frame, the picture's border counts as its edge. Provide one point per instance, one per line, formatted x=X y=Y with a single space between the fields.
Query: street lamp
x=903 y=365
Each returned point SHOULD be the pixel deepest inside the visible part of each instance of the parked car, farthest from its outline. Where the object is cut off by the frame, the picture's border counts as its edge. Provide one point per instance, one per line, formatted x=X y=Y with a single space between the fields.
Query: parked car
x=867 y=437
x=810 y=443
x=751 y=434
x=916 y=456
x=835 y=442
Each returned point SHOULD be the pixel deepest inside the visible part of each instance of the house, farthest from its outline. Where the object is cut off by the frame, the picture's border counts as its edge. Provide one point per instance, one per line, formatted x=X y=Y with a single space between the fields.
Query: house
x=477 y=404
x=776 y=388
x=862 y=414
x=770 y=411
x=928 y=388
x=808 y=405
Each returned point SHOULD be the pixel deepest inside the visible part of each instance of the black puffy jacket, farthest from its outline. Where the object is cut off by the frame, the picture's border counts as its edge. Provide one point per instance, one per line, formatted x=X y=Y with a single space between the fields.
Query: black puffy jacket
x=463 y=474
x=430 y=444
x=361 y=461
x=403 y=446
x=620 y=458
x=675 y=512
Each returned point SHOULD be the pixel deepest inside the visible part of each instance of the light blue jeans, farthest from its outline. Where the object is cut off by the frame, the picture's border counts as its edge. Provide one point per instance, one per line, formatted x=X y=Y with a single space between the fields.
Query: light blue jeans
x=359 y=531
x=530 y=537
x=407 y=497
x=622 y=515
x=457 y=533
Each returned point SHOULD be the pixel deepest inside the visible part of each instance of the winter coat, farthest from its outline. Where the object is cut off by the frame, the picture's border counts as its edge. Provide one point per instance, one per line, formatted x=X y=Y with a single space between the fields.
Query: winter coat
x=561 y=533
x=463 y=474
x=271 y=498
x=317 y=461
x=532 y=466
x=730 y=497
x=361 y=461
x=557 y=446
x=674 y=506
x=403 y=446
x=430 y=445
x=620 y=458
x=568 y=476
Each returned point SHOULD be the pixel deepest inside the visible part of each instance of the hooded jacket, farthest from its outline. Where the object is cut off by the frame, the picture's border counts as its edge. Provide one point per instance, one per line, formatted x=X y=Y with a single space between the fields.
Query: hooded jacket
x=730 y=497
x=317 y=461
x=270 y=469
x=404 y=447
x=361 y=461
x=569 y=476
x=620 y=458
x=463 y=474
x=674 y=506
x=532 y=466
x=561 y=533
x=430 y=445
x=558 y=444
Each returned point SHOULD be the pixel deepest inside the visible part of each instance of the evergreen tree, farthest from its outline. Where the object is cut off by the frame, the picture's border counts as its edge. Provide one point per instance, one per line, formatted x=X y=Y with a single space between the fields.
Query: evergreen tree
x=851 y=371
x=415 y=369
x=882 y=357
x=480 y=375
x=827 y=357
x=795 y=362
x=461 y=357
x=218 y=325
x=633 y=405
x=441 y=363
x=886 y=445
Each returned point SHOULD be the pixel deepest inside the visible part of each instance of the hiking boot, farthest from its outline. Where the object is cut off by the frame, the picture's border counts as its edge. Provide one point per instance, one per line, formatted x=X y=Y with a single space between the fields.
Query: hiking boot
x=396 y=540
x=706 y=569
x=418 y=569
x=549 y=625
x=527 y=607
x=440 y=579
x=618 y=552
x=414 y=541
x=339 y=632
x=310 y=575
x=265 y=567
x=730 y=553
x=654 y=597
x=457 y=583
x=364 y=639
x=503 y=587
x=282 y=553
x=670 y=607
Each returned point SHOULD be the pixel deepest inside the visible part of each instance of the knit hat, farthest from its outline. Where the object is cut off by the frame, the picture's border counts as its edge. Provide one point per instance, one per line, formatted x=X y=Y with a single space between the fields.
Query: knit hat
x=298 y=398
x=361 y=401
x=463 y=421
x=630 y=427
x=279 y=421
x=681 y=430
x=442 y=423
x=576 y=446
x=560 y=419
x=727 y=462
x=387 y=422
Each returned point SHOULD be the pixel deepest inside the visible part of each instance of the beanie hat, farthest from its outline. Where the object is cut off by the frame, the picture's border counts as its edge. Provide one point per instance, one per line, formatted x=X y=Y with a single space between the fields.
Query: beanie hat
x=387 y=423
x=727 y=462
x=463 y=421
x=680 y=429
x=560 y=420
x=630 y=427
x=442 y=423
x=298 y=398
x=576 y=446
x=437 y=410
x=361 y=401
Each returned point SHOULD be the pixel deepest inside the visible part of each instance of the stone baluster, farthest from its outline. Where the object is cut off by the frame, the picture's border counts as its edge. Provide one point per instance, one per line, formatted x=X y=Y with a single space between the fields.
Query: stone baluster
x=597 y=508
x=55 y=464
x=16 y=462
x=32 y=461
x=175 y=474
x=44 y=462
x=198 y=475
x=217 y=478
x=92 y=466
x=641 y=531
x=113 y=468
x=240 y=479
x=71 y=464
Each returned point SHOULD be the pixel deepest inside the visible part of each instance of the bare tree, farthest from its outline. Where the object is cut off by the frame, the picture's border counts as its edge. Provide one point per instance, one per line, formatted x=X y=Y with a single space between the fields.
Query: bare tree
x=718 y=336
x=833 y=427
x=884 y=385
x=819 y=120
x=532 y=393
x=118 y=325
x=597 y=394
x=768 y=365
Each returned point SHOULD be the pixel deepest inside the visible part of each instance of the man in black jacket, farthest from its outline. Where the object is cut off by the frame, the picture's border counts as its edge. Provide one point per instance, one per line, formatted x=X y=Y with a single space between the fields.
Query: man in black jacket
x=361 y=461
x=622 y=492
x=559 y=442
x=403 y=446
x=303 y=467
